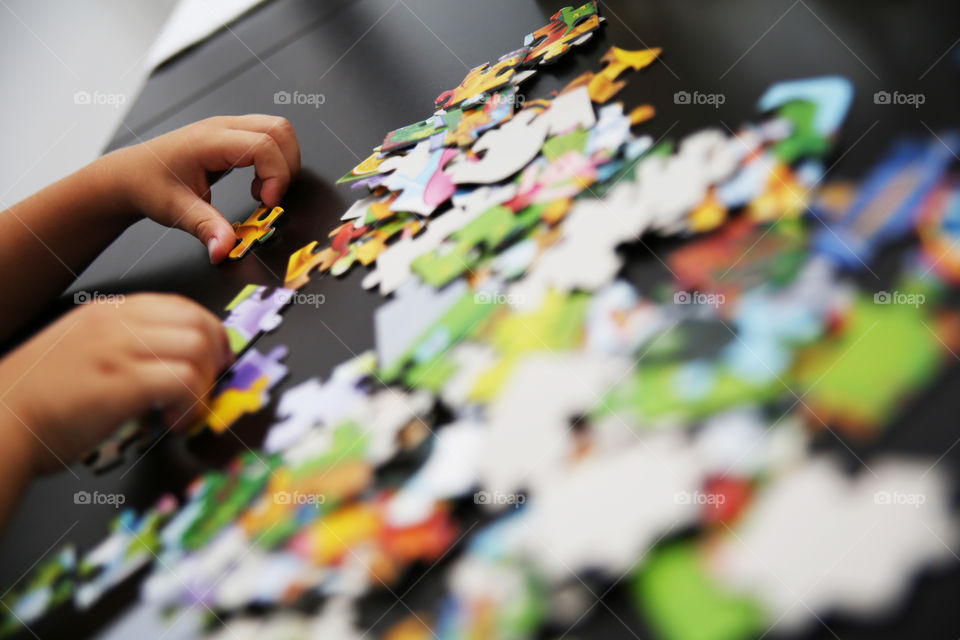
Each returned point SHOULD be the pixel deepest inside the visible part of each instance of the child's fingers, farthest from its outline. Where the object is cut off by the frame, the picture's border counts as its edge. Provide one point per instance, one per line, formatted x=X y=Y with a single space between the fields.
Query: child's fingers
x=163 y=343
x=276 y=127
x=201 y=219
x=169 y=383
x=236 y=148
x=162 y=310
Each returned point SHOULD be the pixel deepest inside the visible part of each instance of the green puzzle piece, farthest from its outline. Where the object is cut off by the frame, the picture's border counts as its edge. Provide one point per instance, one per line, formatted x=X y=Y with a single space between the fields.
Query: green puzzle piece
x=482 y=235
x=861 y=376
x=462 y=318
x=682 y=602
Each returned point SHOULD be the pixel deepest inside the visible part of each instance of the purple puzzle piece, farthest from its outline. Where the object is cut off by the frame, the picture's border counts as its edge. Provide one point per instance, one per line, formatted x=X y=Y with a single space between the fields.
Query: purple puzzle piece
x=253 y=365
x=372 y=182
x=252 y=313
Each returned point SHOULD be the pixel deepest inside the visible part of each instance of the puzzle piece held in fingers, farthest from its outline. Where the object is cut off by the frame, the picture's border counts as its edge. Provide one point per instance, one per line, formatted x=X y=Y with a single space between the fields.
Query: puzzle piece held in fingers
x=257 y=228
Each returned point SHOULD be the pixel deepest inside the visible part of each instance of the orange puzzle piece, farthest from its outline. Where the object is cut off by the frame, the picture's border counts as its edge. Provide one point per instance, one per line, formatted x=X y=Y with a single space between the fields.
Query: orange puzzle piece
x=257 y=228
x=303 y=261
x=604 y=85
x=566 y=28
x=483 y=79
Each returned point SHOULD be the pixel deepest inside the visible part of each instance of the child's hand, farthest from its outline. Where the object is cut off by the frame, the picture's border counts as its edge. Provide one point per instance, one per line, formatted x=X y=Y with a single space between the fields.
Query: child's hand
x=102 y=364
x=168 y=178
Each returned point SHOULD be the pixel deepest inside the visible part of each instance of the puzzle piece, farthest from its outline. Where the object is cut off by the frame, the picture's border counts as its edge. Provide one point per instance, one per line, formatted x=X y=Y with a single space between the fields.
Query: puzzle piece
x=859 y=376
x=312 y=402
x=545 y=183
x=569 y=111
x=569 y=505
x=110 y=453
x=815 y=106
x=447 y=473
x=566 y=28
x=412 y=134
x=497 y=110
x=366 y=169
x=419 y=177
x=252 y=312
x=740 y=256
x=508 y=150
x=132 y=544
x=604 y=85
x=676 y=591
x=888 y=200
x=51 y=583
x=393 y=264
x=305 y=259
x=257 y=228
x=215 y=501
x=468 y=245
x=246 y=389
x=483 y=79
x=401 y=321
x=939 y=228
x=363 y=525
x=861 y=557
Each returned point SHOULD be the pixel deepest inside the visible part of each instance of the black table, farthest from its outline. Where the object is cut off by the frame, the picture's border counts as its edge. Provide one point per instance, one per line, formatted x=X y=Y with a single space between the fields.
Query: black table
x=379 y=65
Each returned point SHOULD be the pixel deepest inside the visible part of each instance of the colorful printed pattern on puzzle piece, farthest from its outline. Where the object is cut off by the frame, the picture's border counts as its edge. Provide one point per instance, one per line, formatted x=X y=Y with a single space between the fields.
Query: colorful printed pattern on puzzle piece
x=253 y=312
x=257 y=228
x=246 y=390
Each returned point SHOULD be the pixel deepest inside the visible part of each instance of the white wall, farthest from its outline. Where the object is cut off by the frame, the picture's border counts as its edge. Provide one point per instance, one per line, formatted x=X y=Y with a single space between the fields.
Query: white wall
x=51 y=50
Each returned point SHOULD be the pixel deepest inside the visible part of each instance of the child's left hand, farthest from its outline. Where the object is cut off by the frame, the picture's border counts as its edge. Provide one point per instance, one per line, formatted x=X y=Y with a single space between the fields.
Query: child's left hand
x=168 y=178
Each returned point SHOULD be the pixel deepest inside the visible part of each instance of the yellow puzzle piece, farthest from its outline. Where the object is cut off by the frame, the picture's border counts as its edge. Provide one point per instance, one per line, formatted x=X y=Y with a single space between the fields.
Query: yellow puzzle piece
x=257 y=228
x=229 y=406
x=303 y=261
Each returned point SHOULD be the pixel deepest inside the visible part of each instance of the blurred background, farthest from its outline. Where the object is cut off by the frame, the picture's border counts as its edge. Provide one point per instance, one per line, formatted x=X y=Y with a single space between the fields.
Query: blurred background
x=103 y=50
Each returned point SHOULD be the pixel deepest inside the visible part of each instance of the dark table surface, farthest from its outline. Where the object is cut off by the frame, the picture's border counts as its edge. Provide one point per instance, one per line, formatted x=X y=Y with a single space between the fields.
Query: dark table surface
x=379 y=64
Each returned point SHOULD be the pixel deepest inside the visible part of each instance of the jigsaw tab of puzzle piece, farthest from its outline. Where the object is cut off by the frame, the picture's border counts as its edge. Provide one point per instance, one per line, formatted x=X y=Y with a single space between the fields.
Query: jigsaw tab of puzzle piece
x=252 y=312
x=257 y=228
x=303 y=261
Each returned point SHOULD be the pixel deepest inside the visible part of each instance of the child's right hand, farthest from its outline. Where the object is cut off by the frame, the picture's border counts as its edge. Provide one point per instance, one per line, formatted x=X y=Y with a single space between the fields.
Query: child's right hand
x=68 y=387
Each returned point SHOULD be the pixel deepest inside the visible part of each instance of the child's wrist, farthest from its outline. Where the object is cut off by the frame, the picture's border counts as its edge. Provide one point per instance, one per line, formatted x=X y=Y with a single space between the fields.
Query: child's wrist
x=112 y=187
x=19 y=443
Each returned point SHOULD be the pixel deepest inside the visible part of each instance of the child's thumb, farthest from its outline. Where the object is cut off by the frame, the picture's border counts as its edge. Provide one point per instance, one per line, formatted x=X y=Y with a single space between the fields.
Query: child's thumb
x=200 y=219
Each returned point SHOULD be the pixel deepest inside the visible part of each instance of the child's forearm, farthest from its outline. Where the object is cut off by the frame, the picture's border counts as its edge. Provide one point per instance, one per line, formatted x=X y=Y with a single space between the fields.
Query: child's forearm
x=49 y=238
x=16 y=460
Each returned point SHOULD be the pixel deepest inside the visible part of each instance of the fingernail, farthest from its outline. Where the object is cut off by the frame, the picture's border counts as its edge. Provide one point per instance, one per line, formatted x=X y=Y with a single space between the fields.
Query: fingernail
x=211 y=244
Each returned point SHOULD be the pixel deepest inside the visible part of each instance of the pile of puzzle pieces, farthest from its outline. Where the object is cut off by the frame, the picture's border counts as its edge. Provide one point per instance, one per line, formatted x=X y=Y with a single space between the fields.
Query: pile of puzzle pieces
x=542 y=430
